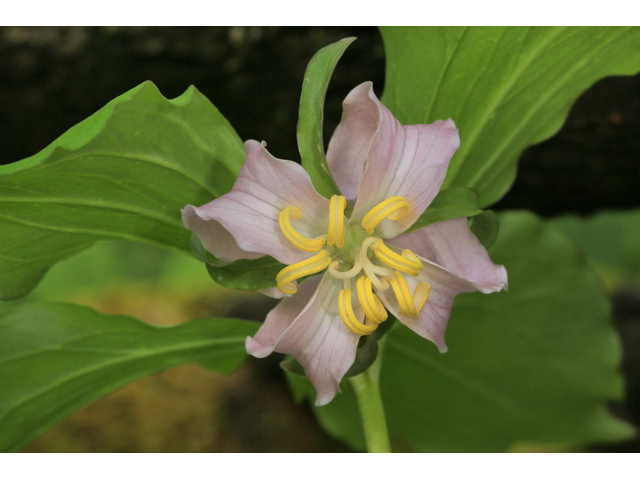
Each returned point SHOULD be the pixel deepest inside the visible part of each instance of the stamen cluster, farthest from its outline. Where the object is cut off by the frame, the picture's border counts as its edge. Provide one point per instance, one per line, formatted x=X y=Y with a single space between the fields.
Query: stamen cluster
x=382 y=269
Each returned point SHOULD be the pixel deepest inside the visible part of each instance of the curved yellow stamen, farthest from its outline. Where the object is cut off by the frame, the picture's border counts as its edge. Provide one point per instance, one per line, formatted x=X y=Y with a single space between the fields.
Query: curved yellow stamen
x=312 y=265
x=371 y=304
x=421 y=295
x=401 y=289
x=407 y=262
x=335 y=235
x=394 y=208
x=300 y=241
x=349 y=318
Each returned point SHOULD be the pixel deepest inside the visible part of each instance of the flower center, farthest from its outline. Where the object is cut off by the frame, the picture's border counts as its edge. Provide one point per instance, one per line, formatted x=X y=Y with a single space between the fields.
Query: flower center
x=350 y=248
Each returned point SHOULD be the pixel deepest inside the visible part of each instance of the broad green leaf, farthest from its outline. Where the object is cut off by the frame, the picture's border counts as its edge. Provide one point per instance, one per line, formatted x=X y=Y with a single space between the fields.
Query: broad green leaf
x=310 y=139
x=611 y=240
x=244 y=274
x=505 y=87
x=536 y=364
x=122 y=174
x=57 y=358
x=454 y=202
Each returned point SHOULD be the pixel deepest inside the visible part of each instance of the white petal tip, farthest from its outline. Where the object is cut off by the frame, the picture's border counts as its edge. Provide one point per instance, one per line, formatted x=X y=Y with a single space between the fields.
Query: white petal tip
x=256 y=349
x=443 y=349
x=321 y=401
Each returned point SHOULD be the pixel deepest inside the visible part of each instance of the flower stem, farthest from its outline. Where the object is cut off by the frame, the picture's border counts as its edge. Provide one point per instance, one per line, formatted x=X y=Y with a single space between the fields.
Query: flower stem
x=367 y=390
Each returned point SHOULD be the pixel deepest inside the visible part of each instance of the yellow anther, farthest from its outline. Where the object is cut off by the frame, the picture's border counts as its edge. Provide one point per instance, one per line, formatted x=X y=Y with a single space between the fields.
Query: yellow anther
x=407 y=262
x=336 y=221
x=371 y=304
x=421 y=295
x=394 y=208
x=401 y=289
x=312 y=265
x=349 y=318
x=303 y=243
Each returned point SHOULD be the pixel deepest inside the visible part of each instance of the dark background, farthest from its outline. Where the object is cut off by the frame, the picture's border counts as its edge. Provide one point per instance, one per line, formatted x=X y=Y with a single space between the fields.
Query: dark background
x=53 y=77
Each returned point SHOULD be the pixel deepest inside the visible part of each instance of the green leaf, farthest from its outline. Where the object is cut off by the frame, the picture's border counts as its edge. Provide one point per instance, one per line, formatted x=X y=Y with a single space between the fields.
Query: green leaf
x=454 y=202
x=57 y=358
x=505 y=87
x=245 y=274
x=486 y=227
x=122 y=174
x=310 y=139
x=610 y=239
x=536 y=364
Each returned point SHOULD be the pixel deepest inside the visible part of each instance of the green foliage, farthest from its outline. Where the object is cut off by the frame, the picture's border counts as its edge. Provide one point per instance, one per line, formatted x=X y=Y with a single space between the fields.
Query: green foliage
x=454 y=202
x=535 y=364
x=57 y=358
x=310 y=139
x=505 y=87
x=611 y=240
x=340 y=418
x=122 y=174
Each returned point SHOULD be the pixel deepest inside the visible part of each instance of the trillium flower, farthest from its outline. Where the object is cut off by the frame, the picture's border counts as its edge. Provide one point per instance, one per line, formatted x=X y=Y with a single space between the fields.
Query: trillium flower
x=390 y=174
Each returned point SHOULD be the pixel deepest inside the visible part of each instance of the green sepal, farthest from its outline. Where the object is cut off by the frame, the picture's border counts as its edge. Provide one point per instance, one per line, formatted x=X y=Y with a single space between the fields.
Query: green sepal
x=255 y=274
x=385 y=326
x=310 y=138
x=365 y=355
x=201 y=253
x=291 y=365
x=244 y=274
x=486 y=227
x=454 y=202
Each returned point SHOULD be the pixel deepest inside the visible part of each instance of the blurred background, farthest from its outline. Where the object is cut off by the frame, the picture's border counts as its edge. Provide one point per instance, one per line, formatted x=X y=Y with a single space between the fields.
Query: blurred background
x=54 y=77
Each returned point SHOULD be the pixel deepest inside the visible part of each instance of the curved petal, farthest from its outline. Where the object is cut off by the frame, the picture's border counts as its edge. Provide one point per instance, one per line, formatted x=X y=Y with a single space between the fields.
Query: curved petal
x=280 y=318
x=454 y=246
x=320 y=341
x=350 y=142
x=249 y=212
x=432 y=320
x=409 y=161
x=214 y=237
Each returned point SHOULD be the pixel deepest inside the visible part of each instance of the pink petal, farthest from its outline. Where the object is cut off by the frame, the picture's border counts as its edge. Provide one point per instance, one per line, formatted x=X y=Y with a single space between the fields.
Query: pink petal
x=409 y=161
x=317 y=338
x=214 y=237
x=349 y=145
x=280 y=318
x=249 y=212
x=432 y=320
x=454 y=246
